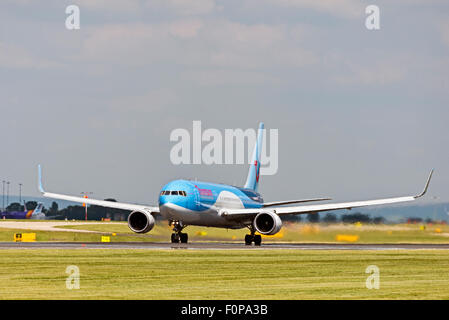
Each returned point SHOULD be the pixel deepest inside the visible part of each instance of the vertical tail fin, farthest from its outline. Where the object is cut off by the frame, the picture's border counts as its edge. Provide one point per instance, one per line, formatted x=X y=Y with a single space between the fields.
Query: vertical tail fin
x=252 y=181
x=38 y=209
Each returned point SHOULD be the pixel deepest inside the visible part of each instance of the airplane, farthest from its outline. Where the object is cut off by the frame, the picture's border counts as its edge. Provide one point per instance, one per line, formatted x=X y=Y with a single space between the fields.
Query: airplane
x=187 y=202
x=27 y=214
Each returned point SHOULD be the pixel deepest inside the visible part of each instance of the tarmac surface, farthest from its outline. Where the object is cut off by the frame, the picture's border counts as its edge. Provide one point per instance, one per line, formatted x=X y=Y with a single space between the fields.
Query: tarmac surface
x=216 y=246
x=45 y=225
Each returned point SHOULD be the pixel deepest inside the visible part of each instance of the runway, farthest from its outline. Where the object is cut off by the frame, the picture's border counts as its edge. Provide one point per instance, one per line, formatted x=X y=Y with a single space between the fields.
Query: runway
x=217 y=246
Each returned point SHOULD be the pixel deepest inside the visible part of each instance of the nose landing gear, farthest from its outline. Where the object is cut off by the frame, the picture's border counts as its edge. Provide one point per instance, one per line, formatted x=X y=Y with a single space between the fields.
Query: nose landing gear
x=178 y=236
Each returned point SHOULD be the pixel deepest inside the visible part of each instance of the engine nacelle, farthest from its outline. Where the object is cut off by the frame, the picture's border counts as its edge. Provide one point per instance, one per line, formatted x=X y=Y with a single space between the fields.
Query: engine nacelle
x=141 y=221
x=267 y=223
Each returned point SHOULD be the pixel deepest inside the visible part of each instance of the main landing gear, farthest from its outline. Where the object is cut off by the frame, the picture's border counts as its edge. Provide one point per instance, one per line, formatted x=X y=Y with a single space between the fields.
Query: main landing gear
x=250 y=238
x=178 y=236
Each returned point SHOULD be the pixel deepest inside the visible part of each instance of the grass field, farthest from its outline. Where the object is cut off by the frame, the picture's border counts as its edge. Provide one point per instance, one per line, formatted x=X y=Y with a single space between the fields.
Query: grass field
x=291 y=232
x=55 y=236
x=213 y=274
x=230 y=274
x=295 y=232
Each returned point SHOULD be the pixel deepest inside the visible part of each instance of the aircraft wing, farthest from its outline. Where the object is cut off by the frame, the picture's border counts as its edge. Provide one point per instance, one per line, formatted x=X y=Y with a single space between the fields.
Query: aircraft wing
x=102 y=203
x=281 y=203
x=247 y=213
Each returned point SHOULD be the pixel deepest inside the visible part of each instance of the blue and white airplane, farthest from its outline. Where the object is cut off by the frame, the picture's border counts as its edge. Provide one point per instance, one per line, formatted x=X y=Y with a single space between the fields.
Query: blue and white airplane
x=186 y=202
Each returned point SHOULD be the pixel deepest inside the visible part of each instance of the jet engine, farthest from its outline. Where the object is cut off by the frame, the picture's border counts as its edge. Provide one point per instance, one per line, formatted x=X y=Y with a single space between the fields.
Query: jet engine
x=267 y=223
x=141 y=221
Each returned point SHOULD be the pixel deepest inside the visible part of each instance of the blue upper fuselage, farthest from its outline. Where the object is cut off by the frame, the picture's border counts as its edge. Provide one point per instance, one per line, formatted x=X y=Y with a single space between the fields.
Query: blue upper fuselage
x=201 y=196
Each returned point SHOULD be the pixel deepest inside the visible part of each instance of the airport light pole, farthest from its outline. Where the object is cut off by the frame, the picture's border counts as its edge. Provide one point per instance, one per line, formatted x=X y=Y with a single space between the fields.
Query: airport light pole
x=20 y=192
x=7 y=192
x=3 y=203
x=85 y=204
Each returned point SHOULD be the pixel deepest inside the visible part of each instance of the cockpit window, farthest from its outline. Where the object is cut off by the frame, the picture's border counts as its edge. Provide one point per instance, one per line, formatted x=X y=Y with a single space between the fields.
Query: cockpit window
x=174 y=193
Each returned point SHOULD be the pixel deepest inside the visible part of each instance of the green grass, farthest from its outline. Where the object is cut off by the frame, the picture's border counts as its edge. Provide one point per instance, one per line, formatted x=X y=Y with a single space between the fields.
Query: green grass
x=214 y=274
x=295 y=233
x=162 y=231
x=291 y=232
x=61 y=236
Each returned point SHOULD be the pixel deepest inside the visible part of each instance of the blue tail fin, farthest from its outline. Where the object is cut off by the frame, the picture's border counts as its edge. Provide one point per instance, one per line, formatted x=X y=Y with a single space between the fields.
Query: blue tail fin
x=38 y=209
x=252 y=181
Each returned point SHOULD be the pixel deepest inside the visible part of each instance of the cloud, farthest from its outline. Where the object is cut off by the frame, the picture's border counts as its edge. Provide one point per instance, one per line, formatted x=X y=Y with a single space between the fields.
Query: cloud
x=201 y=43
x=218 y=77
x=121 y=43
x=176 y=7
x=377 y=74
x=185 y=29
x=444 y=29
x=341 y=8
x=15 y=57
x=109 y=5
x=184 y=7
x=151 y=101
x=367 y=68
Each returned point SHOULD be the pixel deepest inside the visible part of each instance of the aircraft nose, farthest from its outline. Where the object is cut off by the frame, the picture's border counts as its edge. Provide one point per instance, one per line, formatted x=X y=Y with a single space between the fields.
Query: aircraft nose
x=175 y=193
x=178 y=199
x=163 y=199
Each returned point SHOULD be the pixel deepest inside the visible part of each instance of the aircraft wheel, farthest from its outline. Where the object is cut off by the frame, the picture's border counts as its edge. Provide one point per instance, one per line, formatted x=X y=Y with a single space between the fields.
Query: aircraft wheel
x=174 y=238
x=257 y=240
x=248 y=239
x=184 y=237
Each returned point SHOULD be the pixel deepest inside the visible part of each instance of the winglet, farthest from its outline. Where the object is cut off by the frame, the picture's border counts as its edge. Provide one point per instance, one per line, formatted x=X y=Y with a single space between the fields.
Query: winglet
x=426 y=187
x=39 y=173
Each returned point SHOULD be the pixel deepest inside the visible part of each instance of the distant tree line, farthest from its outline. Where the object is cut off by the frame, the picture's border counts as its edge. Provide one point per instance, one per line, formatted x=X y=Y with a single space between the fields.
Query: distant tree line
x=15 y=206
x=333 y=218
x=428 y=220
x=352 y=218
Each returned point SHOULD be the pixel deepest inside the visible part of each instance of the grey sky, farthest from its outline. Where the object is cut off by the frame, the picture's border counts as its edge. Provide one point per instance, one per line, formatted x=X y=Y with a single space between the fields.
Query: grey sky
x=360 y=113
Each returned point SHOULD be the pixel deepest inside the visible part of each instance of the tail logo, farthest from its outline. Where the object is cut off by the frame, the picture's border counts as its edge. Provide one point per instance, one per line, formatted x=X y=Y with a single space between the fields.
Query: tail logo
x=257 y=170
